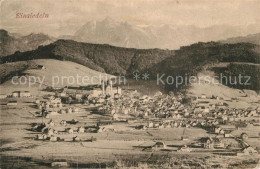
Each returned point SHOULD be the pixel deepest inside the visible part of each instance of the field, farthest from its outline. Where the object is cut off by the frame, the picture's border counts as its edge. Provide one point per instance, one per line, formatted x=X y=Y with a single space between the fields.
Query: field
x=122 y=147
x=235 y=98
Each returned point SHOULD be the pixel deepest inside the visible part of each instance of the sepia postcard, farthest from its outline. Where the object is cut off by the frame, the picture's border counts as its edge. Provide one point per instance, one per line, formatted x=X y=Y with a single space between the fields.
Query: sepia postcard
x=130 y=84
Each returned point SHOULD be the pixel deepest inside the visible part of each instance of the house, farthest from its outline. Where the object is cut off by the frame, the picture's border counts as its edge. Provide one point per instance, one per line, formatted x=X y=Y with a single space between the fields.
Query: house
x=203 y=96
x=211 y=143
x=21 y=94
x=63 y=122
x=146 y=114
x=25 y=94
x=125 y=111
x=96 y=92
x=59 y=163
x=217 y=130
x=51 y=123
x=206 y=110
x=115 y=116
x=228 y=135
x=253 y=113
x=3 y=96
x=78 y=96
x=53 y=138
x=16 y=94
x=184 y=149
x=249 y=150
x=63 y=94
x=75 y=110
x=69 y=110
x=12 y=103
x=69 y=130
x=49 y=131
x=159 y=145
x=55 y=101
x=41 y=137
x=39 y=67
x=37 y=101
x=81 y=130
x=62 y=111
x=150 y=125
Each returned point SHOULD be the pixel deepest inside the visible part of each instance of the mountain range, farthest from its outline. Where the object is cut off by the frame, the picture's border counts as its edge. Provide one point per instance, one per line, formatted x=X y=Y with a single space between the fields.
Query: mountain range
x=129 y=35
x=166 y=36
x=11 y=43
x=252 y=38
x=188 y=60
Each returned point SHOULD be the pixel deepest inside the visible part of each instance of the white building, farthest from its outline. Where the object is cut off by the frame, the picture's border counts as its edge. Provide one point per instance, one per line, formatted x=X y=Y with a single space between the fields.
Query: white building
x=3 y=96
x=16 y=94
x=25 y=94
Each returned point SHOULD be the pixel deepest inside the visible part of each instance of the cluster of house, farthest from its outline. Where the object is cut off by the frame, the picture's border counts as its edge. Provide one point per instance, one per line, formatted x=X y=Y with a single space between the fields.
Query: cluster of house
x=161 y=111
x=54 y=106
x=48 y=131
x=172 y=107
x=15 y=94
x=182 y=123
x=52 y=102
x=89 y=94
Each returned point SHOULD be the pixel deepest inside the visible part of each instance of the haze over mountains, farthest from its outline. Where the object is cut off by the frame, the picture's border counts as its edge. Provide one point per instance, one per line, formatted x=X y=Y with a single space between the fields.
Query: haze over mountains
x=11 y=42
x=130 y=35
x=166 y=36
x=121 y=48
x=252 y=38
x=126 y=61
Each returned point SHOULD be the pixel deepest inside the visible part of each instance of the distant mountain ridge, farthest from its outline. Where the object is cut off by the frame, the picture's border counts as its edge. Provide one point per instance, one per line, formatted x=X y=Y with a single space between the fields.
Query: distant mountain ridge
x=166 y=36
x=252 y=38
x=11 y=43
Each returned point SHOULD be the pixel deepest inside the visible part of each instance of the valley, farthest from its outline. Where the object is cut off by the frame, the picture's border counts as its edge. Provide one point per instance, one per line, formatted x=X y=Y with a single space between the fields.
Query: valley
x=83 y=105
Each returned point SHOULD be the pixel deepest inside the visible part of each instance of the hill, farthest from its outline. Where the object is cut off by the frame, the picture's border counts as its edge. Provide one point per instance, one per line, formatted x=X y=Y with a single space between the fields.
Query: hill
x=249 y=72
x=11 y=43
x=235 y=98
x=252 y=38
x=191 y=59
x=55 y=73
x=187 y=61
x=103 y=58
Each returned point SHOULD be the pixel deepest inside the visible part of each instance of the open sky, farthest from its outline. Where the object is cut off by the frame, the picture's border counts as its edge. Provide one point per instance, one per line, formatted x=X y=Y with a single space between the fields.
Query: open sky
x=66 y=16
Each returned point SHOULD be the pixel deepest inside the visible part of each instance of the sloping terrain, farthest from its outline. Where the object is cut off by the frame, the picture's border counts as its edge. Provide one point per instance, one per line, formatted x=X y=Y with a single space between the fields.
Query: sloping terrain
x=187 y=61
x=249 y=73
x=11 y=43
x=54 y=73
x=112 y=60
x=115 y=60
x=252 y=38
x=7 y=70
x=190 y=60
x=235 y=98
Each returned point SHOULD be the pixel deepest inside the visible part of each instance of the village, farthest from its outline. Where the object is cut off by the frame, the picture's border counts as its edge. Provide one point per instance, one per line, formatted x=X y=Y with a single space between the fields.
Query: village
x=84 y=114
